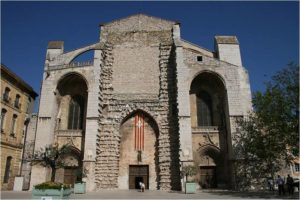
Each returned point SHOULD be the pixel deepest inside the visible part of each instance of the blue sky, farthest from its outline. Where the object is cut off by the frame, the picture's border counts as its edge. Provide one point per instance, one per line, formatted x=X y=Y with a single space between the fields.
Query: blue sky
x=268 y=32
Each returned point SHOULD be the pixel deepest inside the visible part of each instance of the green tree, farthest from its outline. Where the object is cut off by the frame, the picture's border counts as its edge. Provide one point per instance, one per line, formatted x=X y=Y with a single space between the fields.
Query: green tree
x=51 y=156
x=269 y=138
x=189 y=171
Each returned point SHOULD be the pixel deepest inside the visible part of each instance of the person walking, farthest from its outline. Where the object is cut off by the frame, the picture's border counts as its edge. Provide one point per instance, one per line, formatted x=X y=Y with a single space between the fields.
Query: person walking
x=290 y=183
x=271 y=184
x=142 y=186
x=280 y=183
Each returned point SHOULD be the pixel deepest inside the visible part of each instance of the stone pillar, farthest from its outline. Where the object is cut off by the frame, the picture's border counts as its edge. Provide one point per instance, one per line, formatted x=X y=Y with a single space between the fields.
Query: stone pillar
x=92 y=127
x=228 y=49
x=184 y=113
x=89 y=169
x=46 y=119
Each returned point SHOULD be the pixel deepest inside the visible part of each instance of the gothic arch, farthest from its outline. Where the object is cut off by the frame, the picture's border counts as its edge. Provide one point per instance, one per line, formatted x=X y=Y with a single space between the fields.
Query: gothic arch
x=138 y=149
x=212 y=84
x=79 y=75
x=202 y=149
x=132 y=113
x=211 y=73
x=75 y=153
x=74 y=150
x=211 y=151
x=209 y=118
x=130 y=110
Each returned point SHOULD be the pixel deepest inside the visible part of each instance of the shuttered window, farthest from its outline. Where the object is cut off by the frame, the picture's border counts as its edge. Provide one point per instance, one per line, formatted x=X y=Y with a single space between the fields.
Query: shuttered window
x=13 y=125
x=3 y=114
x=7 y=169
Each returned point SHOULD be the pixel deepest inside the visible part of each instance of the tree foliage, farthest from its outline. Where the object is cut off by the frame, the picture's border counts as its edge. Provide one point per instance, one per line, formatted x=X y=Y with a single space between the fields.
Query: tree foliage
x=189 y=171
x=269 y=138
x=51 y=156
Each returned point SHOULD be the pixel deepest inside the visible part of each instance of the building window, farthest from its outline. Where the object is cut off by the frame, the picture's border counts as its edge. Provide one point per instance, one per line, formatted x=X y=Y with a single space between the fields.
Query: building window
x=296 y=167
x=3 y=114
x=17 y=101
x=6 y=94
x=7 y=169
x=28 y=104
x=204 y=109
x=199 y=58
x=75 y=120
x=13 y=125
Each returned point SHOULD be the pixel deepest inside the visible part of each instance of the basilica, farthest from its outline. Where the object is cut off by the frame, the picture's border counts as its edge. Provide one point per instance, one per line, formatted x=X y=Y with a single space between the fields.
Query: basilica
x=146 y=104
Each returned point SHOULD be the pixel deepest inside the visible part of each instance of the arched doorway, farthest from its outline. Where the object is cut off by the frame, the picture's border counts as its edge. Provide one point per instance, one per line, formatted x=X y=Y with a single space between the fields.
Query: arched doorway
x=72 y=170
x=209 y=166
x=71 y=96
x=138 y=152
x=209 y=117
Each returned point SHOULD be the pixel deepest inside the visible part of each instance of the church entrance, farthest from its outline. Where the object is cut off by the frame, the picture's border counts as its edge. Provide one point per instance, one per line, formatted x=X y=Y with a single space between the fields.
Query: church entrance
x=208 y=177
x=137 y=174
x=70 y=175
x=138 y=152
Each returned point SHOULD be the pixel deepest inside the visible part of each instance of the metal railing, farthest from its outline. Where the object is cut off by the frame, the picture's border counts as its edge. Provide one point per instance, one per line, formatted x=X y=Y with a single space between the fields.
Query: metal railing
x=67 y=133
x=81 y=63
x=206 y=129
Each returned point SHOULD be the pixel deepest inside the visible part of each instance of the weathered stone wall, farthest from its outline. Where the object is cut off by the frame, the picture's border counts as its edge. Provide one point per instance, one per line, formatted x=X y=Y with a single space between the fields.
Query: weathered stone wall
x=48 y=118
x=128 y=154
x=28 y=150
x=230 y=74
x=115 y=106
x=139 y=74
x=228 y=49
x=237 y=101
x=141 y=63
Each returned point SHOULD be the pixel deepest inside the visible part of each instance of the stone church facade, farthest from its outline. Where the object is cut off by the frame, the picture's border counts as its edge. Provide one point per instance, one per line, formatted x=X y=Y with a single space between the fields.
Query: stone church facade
x=148 y=103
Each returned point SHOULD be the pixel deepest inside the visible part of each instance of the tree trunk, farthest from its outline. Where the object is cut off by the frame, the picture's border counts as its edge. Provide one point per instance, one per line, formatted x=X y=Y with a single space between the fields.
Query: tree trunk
x=53 y=171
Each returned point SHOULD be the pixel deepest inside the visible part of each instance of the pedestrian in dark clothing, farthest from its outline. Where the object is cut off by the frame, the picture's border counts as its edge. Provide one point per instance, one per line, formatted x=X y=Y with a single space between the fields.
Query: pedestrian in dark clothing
x=280 y=183
x=271 y=184
x=290 y=183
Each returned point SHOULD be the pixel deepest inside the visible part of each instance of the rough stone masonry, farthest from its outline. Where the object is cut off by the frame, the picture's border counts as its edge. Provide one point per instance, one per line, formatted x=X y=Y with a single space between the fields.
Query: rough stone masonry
x=189 y=98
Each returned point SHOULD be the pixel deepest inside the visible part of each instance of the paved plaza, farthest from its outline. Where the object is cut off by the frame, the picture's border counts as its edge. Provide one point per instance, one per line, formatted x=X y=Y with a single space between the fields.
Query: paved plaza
x=134 y=194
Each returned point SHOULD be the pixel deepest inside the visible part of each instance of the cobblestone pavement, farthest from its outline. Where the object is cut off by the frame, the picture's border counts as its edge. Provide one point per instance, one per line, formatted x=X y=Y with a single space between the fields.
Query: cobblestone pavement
x=134 y=194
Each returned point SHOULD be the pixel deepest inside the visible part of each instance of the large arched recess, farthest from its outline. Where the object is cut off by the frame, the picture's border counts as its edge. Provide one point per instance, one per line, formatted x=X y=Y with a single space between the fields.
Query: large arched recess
x=71 y=95
x=71 y=87
x=72 y=169
x=138 y=164
x=209 y=120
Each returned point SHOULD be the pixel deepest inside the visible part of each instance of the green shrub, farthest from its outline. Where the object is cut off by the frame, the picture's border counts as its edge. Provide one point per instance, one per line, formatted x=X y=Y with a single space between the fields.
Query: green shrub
x=51 y=185
x=189 y=171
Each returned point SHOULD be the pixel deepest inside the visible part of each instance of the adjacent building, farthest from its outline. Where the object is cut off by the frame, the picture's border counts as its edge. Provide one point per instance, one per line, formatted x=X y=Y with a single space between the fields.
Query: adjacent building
x=17 y=102
x=146 y=104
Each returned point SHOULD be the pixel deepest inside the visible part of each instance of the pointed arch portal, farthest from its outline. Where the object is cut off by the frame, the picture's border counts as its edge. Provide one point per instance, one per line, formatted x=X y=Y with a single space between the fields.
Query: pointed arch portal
x=209 y=117
x=138 y=151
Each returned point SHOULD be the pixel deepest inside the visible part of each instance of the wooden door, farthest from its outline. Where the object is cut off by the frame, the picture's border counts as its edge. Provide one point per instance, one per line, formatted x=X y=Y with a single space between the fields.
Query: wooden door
x=208 y=176
x=70 y=176
x=138 y=173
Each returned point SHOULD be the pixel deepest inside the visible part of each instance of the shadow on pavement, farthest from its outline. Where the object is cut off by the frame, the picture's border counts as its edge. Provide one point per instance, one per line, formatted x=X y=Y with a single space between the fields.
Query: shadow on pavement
x=252 y=194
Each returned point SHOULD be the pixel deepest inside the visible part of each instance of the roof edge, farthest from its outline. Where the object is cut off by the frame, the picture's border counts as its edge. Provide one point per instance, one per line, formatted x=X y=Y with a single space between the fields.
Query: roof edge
x=138 y=14
x=18 y=80
x=203 y=50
